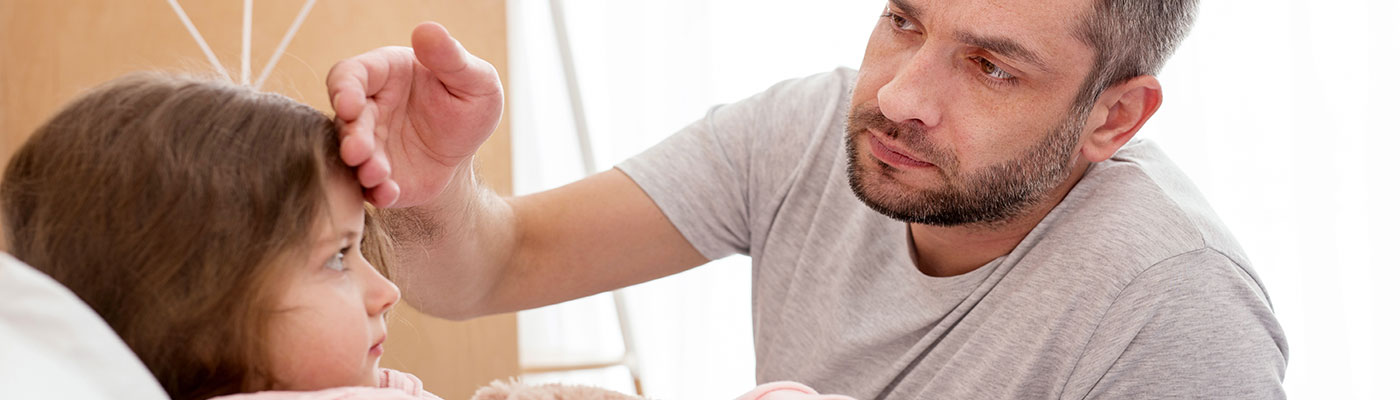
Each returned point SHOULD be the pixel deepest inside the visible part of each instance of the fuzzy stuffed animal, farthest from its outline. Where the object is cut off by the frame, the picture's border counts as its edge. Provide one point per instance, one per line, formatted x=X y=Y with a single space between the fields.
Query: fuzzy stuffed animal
x=515 y=390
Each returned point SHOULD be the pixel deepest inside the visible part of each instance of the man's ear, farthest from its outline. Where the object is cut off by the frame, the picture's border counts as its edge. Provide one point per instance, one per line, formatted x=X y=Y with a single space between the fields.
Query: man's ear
x=1118 y=114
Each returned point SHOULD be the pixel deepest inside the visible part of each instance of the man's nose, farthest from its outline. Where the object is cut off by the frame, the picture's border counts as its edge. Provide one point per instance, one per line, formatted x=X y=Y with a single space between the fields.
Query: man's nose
x=914 y=93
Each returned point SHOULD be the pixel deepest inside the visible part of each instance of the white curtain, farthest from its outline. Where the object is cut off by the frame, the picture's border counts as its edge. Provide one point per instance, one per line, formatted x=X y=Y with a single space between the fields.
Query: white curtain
x=1281 y=111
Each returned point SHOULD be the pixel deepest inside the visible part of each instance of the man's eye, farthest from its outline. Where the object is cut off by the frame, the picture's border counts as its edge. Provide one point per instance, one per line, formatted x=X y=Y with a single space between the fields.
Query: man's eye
x=899 y=22
x=992 y=70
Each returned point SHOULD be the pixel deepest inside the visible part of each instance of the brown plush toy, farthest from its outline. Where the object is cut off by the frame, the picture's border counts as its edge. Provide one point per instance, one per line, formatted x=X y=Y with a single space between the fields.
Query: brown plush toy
x=515 y=390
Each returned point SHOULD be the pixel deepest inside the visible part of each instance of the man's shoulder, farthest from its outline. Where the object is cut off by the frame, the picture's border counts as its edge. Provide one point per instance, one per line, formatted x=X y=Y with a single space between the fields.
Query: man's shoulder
x=819 y=86
x=816 y=98
x=1140 y=197
x=792 y=137
x=1170 y=287
x=1135 y=211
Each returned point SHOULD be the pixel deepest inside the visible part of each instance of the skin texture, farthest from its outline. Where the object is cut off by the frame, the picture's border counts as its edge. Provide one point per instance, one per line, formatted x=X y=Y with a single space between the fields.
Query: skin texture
x=330 y=325
x=475 y=253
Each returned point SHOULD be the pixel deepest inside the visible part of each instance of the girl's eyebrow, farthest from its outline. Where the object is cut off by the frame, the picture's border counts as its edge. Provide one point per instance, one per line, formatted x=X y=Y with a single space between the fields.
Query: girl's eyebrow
x=347 y=235
x=351 y=234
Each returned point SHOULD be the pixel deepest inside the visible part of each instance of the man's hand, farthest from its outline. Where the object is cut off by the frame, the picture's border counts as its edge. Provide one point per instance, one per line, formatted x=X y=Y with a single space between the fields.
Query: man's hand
x=425 y=111
x=409 y=117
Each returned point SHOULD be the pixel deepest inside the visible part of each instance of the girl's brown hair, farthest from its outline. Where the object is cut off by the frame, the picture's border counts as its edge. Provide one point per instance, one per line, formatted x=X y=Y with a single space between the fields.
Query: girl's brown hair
x=166 y=203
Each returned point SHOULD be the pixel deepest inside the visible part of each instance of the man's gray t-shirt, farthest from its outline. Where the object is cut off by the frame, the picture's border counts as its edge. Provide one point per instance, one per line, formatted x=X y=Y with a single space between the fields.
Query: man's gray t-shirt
x=1130 y=288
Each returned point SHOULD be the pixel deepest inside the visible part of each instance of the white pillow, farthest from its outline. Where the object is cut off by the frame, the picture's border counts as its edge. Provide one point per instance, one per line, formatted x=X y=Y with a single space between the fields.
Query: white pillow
x=52 y=346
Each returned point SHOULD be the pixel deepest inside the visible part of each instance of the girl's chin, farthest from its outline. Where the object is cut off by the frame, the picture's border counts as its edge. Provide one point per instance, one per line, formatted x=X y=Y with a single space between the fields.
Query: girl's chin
x=371 y=377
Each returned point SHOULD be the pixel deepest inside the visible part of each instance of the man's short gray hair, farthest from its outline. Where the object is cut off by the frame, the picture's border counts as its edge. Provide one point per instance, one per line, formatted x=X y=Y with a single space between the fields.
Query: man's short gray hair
x=1130 y=38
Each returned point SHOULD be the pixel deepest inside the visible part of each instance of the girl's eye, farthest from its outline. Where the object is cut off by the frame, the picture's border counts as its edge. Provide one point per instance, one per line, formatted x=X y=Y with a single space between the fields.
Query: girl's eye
x=337 y=261
x=899 y=22
x=992 y=70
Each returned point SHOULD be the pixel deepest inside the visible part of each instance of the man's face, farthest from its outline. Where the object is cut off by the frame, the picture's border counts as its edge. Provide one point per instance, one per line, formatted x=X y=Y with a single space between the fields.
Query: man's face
x=962 y=109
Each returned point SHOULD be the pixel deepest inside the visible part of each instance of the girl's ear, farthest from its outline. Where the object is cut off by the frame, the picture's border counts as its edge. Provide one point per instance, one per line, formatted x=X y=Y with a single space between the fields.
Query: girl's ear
x=1118 y=115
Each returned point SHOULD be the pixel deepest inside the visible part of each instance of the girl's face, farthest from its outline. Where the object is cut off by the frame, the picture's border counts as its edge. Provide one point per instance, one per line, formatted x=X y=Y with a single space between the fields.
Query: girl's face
x=329 y=329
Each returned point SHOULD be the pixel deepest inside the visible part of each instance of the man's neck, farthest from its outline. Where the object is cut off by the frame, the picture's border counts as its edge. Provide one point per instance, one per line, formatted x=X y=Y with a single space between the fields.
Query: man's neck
x=943 y=251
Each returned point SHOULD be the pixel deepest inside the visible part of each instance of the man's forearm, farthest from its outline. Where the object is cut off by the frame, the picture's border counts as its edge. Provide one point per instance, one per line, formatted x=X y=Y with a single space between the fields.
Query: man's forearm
x=450 y=252
x=470 y=253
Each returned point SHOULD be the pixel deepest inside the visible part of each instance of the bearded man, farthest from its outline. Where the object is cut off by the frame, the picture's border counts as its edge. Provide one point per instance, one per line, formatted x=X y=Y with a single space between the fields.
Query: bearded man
x=966 y=216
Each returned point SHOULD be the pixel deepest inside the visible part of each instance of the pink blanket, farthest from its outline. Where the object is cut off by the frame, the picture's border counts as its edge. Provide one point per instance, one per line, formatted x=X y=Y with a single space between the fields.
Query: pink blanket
x=393 y=385
x=515 y=390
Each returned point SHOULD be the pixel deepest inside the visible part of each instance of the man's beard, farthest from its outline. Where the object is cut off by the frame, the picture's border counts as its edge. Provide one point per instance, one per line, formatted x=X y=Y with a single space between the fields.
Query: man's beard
x=989 y=196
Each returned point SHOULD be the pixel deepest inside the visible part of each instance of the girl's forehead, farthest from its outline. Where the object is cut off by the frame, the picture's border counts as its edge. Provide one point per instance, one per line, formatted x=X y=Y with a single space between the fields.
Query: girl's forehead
x=346 y=202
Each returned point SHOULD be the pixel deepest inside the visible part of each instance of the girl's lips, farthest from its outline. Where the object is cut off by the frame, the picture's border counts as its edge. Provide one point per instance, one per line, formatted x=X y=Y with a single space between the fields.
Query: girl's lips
x=377 y=349
x=891 y=156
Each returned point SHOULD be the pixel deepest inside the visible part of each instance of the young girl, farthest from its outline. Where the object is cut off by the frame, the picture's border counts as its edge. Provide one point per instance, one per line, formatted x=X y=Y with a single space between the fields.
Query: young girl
x=215 y=230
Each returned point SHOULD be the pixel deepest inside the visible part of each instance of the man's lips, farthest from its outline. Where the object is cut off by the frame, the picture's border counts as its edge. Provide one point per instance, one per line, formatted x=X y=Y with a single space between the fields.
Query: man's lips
x=890 y=155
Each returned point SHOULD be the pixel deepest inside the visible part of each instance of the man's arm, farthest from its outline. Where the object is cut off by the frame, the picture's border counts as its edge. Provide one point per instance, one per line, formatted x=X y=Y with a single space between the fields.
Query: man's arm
x=472 y=253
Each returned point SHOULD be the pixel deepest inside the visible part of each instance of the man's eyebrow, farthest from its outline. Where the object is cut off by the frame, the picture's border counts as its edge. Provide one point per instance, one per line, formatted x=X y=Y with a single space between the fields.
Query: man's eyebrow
x=909 y=9
x=1002 y=45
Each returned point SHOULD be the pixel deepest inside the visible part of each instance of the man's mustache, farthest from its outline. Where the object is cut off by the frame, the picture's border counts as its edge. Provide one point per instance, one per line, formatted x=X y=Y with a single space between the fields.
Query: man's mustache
x=907 y=134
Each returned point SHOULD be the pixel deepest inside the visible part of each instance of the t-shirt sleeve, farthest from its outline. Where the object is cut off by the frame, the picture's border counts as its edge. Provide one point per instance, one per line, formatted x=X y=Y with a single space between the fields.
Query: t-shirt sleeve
x=1193 y=326
x=707 y=177
x=697 y=178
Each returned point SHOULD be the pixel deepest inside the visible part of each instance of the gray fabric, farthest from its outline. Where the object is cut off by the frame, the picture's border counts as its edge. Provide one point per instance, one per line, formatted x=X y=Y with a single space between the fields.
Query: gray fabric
x=1130 y=288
